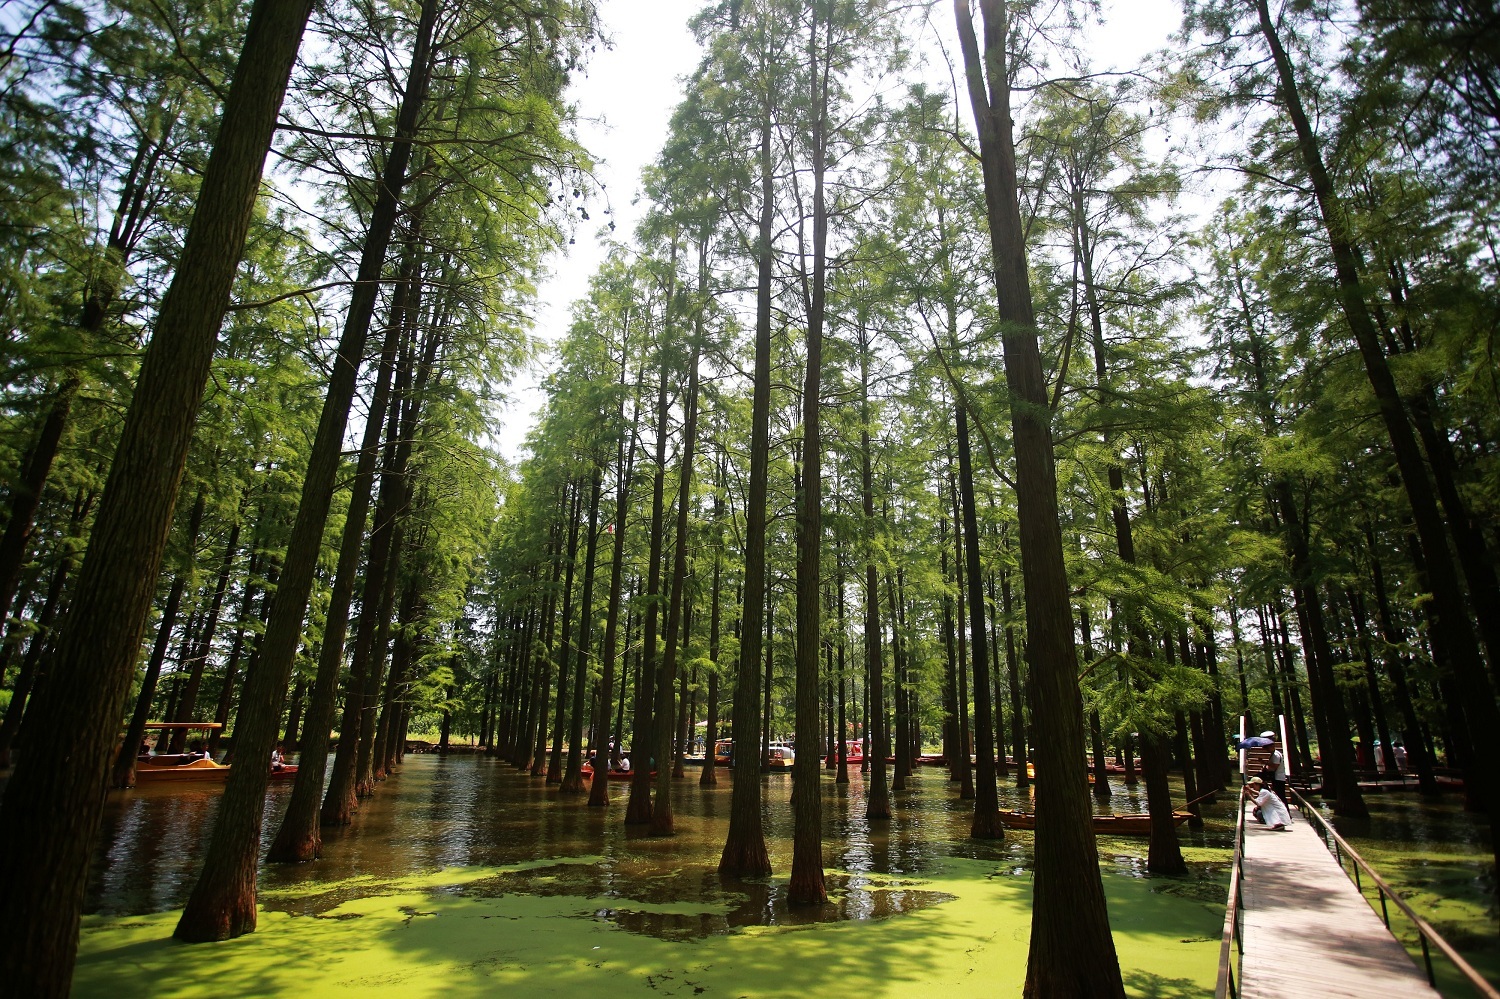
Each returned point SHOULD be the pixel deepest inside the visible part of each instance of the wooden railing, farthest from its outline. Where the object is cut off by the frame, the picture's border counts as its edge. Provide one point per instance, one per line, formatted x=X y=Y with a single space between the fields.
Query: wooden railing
x=1430 y=937
x=1231 y=945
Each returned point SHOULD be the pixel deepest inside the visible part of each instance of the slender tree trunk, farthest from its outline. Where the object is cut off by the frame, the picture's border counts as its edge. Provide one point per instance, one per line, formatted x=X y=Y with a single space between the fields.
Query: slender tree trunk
x=1017 y=697
x=965 y=737
x=26 y=494
x=199 y=655
x=901 y=768
x=299 y=838
x=953 y=754
x=1417 y=756
x=710 y=775
x=1072 y=952
x=806 y=886
x=239 y=646
x=554 y=759
x=624 y=467
x=352 y=777
x=1096 y=734
x=573 y=774
x=28 y=675
x=744 y=852
x=986 y=824
x=647 y=718
x=124 y=772
x=877 y=794
x=661 y=810
x=222 y=904
x=1338 y=756
x=841 y=742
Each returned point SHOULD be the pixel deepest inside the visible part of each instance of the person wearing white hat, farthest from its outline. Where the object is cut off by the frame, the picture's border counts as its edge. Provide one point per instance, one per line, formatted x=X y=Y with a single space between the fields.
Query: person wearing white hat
x=1268 y=808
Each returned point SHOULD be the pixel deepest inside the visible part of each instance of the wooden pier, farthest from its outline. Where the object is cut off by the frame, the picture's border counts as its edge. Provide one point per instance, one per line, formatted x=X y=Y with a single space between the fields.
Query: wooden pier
x=1306 y=930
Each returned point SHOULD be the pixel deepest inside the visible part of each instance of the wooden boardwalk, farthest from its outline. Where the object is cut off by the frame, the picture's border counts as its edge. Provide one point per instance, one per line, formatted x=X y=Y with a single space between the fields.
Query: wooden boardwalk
x=1306 y=929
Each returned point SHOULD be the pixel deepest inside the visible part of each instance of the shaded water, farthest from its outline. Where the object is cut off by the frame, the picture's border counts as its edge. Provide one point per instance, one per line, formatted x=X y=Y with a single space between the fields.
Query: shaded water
x=469 y=811
x=1438 y=857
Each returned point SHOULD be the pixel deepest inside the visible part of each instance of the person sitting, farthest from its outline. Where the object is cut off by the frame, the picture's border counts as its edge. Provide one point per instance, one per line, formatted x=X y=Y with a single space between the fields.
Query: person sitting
x=195 y=753
x=1268 y=808
x=278 y=759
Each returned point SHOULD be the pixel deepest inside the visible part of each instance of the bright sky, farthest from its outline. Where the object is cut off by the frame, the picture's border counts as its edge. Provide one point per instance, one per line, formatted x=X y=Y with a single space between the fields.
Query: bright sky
x=627 y=98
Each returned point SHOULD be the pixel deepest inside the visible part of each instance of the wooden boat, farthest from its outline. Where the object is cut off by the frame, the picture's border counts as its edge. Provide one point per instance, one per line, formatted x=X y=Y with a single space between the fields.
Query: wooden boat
x=588 y=773
x=1133 y=824
x=175 y=768
x=169 y=770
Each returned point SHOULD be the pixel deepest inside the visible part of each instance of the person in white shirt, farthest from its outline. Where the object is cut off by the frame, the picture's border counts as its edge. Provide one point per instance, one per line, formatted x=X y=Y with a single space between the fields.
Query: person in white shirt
x=1268 y=808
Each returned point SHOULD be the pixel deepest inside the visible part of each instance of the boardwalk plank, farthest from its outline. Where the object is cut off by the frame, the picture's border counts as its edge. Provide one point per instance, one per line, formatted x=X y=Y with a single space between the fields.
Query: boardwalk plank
x=1308 y=931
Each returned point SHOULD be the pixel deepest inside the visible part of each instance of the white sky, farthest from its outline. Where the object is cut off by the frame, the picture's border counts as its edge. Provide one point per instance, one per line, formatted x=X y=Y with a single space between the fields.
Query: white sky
x=626 y=100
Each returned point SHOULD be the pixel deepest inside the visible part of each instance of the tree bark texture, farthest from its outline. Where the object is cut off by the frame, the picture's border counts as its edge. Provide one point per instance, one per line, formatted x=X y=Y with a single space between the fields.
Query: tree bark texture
x=1072 y=952
x=53 y=804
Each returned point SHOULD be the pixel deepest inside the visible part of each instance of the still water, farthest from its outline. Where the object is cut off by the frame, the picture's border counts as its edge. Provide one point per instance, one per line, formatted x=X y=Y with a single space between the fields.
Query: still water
x=469 y=811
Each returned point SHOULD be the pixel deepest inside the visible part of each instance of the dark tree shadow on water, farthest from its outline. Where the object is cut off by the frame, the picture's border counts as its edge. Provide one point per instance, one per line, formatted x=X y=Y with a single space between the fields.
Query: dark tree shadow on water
x=1147 y=985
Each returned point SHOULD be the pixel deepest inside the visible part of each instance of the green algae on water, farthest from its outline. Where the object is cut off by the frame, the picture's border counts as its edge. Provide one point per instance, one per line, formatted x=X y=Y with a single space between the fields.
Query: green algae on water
x=420 y=936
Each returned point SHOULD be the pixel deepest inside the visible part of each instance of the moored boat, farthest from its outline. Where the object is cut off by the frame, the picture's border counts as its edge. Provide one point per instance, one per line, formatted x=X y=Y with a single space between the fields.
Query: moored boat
x=1130 y=824
x=174 y=768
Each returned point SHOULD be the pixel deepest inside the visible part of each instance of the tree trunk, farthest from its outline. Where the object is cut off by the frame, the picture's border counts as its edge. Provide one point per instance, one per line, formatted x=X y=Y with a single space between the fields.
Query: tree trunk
x=573 y=774
x=124 y=771
x=661 y=810
x=199 y=656
x=643 y=741
x=554 y=758
x=1453 y=626
x=1072 y=952
x=26 y=494
x=52 y=804
x=877 y=794
x=744 y=852
x=237 y=649
x=1096 y=734
x=624 y=467
x=1417 y=756
x=986 y=824
x=351 y=777
x=27 y=677
x=299 y=838
x=1017 y=698
x=710 y=775
x=806 y=885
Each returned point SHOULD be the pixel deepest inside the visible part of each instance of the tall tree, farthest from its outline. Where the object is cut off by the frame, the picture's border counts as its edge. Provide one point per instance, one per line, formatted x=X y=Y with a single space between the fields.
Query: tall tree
x=1072 y=952
x=52 y=804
